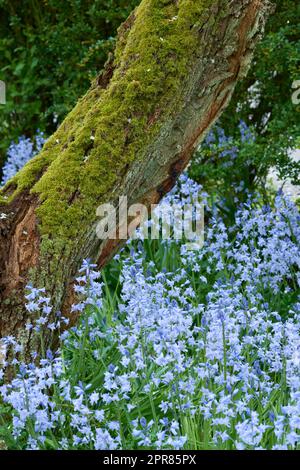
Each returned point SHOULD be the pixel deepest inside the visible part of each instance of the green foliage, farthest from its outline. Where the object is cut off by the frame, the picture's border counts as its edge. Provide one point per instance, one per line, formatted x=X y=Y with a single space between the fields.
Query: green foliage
x=264 y=102
x=264 y=98
x=49 y=52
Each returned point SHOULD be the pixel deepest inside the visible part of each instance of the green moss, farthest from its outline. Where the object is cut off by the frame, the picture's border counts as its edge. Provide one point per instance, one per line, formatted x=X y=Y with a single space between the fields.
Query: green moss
x=106 y=131
x=3 y=200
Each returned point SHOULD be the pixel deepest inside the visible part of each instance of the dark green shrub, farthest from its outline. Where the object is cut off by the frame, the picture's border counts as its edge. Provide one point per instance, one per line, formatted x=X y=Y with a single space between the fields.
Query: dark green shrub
x=49 y=52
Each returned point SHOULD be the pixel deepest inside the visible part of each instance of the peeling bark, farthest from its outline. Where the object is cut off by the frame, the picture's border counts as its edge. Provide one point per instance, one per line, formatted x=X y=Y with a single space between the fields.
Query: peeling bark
x=48 y=251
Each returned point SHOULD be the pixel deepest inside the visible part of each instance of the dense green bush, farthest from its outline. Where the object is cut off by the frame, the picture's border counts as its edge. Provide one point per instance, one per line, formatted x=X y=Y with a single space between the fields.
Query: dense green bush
x=264 y=98
x=49 y=52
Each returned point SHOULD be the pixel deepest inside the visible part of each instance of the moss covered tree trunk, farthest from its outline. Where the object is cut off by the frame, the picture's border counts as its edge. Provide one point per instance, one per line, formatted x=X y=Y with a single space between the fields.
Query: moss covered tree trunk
x=174 y=69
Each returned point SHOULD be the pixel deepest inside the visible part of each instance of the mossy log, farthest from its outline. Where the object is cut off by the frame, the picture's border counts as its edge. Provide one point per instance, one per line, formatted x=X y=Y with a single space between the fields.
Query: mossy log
x=174 y=69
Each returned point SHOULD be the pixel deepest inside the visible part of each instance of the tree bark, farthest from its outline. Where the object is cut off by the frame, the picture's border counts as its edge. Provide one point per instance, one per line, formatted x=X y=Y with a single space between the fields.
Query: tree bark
x=174 y=70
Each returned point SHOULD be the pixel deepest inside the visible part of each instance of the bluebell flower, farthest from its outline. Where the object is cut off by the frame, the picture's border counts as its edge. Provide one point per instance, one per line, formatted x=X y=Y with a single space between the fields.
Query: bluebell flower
x=20 y=153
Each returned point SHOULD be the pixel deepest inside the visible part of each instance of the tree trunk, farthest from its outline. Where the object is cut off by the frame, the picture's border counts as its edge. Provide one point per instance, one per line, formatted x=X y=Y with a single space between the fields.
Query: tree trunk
x=174 y=69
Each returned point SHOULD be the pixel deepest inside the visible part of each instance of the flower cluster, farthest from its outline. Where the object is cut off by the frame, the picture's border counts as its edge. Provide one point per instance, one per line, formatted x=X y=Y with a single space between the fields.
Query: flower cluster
x=204 y=356
x=19 y=153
